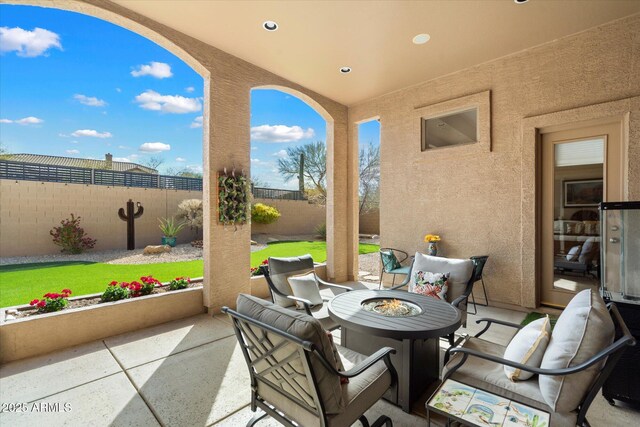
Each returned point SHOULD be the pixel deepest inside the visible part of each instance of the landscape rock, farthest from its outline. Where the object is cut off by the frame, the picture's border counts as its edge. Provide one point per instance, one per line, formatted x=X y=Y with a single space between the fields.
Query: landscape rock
x=154 y=250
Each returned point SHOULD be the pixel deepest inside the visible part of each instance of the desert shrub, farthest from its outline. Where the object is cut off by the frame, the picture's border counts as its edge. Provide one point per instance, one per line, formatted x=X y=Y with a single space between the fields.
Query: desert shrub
x=264 y=214
x=190 y=212
x=71 y=237
x=321 y=231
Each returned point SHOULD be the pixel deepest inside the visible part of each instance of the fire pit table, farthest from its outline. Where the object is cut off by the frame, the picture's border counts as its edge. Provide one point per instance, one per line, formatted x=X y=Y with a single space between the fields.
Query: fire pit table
x=410 y=323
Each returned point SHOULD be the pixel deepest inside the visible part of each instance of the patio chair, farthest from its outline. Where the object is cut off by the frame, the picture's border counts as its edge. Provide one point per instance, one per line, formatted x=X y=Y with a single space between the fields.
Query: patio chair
x=392 y=265
x=479 y=263
x=296 y=373
x=461 y=279
x=568 y=379
x=277 y=273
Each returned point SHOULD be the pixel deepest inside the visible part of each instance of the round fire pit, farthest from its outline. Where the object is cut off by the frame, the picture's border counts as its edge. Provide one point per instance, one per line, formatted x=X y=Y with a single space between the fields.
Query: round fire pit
x=391 y=307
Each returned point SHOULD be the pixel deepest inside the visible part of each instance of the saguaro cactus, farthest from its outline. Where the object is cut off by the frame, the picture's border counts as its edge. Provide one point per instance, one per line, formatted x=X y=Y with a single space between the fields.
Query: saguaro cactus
x=129 y=217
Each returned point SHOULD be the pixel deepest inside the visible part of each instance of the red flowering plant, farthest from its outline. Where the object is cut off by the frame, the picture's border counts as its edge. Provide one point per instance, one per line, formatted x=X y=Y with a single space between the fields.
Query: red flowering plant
x=259 y=270
x=116 y=291
x=147 y=286
x=179 y=283
x=52 y=301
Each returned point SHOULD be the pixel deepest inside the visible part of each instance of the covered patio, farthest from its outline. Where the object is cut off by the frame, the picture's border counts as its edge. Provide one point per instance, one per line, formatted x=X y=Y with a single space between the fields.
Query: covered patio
x=484 y=196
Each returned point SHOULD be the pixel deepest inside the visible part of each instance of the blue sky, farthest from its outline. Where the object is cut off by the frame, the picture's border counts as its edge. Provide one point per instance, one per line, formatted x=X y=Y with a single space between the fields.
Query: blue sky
x=73 y=85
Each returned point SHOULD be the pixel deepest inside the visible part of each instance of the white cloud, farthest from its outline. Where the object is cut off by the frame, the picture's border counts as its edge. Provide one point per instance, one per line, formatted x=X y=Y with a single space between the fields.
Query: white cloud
x=92 y=133
x=121 y=159
x=254 y=148
x=195 y=168
x=134 y=156
x=72 y=152
x=63 y=135
x=280 y=133
x=180 y=159
x=154 y=147
x=151 y=100
x=91 y=101
x=197 y=122
x=26 y=43
x=282 y=154
x=189 y=89
x=24 y=121
x=159 y=70
x=118 y=90
x=124 y=147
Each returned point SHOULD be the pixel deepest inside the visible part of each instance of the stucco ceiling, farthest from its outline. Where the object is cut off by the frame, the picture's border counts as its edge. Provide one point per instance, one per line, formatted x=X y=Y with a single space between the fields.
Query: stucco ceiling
x=316 y=38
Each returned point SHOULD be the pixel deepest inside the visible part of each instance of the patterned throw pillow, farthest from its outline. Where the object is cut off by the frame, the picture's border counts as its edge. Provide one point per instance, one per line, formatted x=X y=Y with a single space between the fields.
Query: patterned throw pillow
x=389 y=260
x=431 y=284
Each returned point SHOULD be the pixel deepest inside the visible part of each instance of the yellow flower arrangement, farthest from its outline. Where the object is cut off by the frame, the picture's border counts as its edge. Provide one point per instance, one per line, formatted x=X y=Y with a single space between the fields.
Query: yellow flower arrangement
x=431 y=238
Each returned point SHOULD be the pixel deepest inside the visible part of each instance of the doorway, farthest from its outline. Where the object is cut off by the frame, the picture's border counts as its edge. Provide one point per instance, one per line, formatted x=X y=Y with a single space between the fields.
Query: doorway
x=581 y=167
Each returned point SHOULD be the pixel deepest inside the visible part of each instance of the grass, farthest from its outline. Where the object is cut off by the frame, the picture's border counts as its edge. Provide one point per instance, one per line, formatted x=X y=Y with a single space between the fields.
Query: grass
x=20 y=283
x=534 y=315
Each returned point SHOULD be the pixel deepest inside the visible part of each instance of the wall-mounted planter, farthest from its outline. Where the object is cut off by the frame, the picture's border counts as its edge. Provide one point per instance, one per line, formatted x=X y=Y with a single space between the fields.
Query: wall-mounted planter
x=41 y=334
x=233 y=198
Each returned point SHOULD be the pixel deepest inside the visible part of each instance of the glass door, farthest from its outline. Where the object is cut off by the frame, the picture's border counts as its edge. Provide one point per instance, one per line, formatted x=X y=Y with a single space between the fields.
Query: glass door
x=580 y=169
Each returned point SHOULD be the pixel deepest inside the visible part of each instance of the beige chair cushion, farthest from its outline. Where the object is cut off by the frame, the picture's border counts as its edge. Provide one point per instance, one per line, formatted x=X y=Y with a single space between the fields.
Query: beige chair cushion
x=583 y=329
x=305 y=327
x=489 y=376
x=528 y=347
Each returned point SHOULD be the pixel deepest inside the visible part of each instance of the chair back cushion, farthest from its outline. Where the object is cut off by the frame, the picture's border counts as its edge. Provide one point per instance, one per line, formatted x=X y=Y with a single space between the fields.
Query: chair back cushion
x=280 y=269
x=583 y=329
x=293 y=378
x=306 y=286
x=389 y=260
x=459 y=270
x=528 y=347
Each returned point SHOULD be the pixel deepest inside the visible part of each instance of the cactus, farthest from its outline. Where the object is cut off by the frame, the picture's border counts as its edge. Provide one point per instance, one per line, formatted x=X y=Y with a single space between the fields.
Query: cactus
x=129 y=217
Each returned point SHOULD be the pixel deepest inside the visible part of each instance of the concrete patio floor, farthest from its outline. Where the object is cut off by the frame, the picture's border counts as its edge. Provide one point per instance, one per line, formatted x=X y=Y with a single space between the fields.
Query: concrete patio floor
x=188 y=372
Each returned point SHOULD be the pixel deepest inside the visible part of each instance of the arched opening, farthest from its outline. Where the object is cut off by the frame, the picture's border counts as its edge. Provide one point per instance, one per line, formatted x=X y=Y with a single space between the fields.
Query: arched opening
x=291 y=144
x=145 y=157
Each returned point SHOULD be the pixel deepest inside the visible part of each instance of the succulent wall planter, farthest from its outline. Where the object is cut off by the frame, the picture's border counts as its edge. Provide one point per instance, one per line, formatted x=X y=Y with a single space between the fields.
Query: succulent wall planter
x=233 y=198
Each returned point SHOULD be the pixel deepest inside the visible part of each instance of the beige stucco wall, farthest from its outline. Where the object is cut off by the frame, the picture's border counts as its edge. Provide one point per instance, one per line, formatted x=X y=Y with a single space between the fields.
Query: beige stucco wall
x=370 y=223
x=226 y=123
x=29 y=209
x=484 y=202
x=296 y=217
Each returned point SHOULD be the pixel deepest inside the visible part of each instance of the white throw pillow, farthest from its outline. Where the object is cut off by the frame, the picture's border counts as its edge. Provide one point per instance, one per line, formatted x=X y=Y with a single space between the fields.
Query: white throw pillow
x=574 y=252
x=305 y=286
x=528 y=347
x=583 y=329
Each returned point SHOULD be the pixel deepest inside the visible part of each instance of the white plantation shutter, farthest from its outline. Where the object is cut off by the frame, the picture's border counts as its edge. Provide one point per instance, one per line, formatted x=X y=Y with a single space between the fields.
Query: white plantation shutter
x=588 y=152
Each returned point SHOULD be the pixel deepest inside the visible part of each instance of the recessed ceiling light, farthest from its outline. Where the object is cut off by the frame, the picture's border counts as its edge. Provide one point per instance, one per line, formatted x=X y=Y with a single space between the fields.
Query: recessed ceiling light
x=520 y=1
x=270 y=25
x=345 y=70
x=421 y=38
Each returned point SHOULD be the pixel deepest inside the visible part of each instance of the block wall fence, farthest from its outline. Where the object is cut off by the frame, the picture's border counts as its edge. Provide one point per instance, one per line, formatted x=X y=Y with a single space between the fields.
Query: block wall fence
x=29 y=209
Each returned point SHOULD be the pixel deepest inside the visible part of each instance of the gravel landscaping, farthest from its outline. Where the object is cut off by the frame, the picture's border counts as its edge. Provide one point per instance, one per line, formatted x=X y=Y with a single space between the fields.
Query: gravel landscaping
x=121 y=256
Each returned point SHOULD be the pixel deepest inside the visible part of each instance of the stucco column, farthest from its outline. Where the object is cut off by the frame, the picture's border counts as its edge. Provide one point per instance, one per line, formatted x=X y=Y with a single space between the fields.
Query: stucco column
x=227 y=249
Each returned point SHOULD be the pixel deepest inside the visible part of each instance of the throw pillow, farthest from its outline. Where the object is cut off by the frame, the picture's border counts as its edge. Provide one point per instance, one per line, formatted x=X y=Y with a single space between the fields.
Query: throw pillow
x=583 y=329
x=573 y=253
x=305 y=286
x=389 y=260
x=527 y=347
x=336 y=358
x=431 y=284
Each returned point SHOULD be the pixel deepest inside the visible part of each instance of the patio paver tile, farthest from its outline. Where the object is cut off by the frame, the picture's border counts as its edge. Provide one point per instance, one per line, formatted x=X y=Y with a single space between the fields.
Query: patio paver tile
x=146 y=345
x=110 y=401
x=37 y=377
x=196 y=387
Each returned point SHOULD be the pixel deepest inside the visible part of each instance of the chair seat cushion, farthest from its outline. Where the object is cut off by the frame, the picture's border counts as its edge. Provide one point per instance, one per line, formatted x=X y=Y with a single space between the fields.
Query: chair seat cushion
x=363 y=390
x=528 y=347
x=401 y=270
x=489 y=376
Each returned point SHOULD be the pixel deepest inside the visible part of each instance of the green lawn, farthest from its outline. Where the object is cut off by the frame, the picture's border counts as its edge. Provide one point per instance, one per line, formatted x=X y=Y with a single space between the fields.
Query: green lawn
x=21 y=283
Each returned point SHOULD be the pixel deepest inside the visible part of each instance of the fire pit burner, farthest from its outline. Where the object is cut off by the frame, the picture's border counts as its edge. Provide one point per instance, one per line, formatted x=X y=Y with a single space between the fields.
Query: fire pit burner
x=391 y=307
